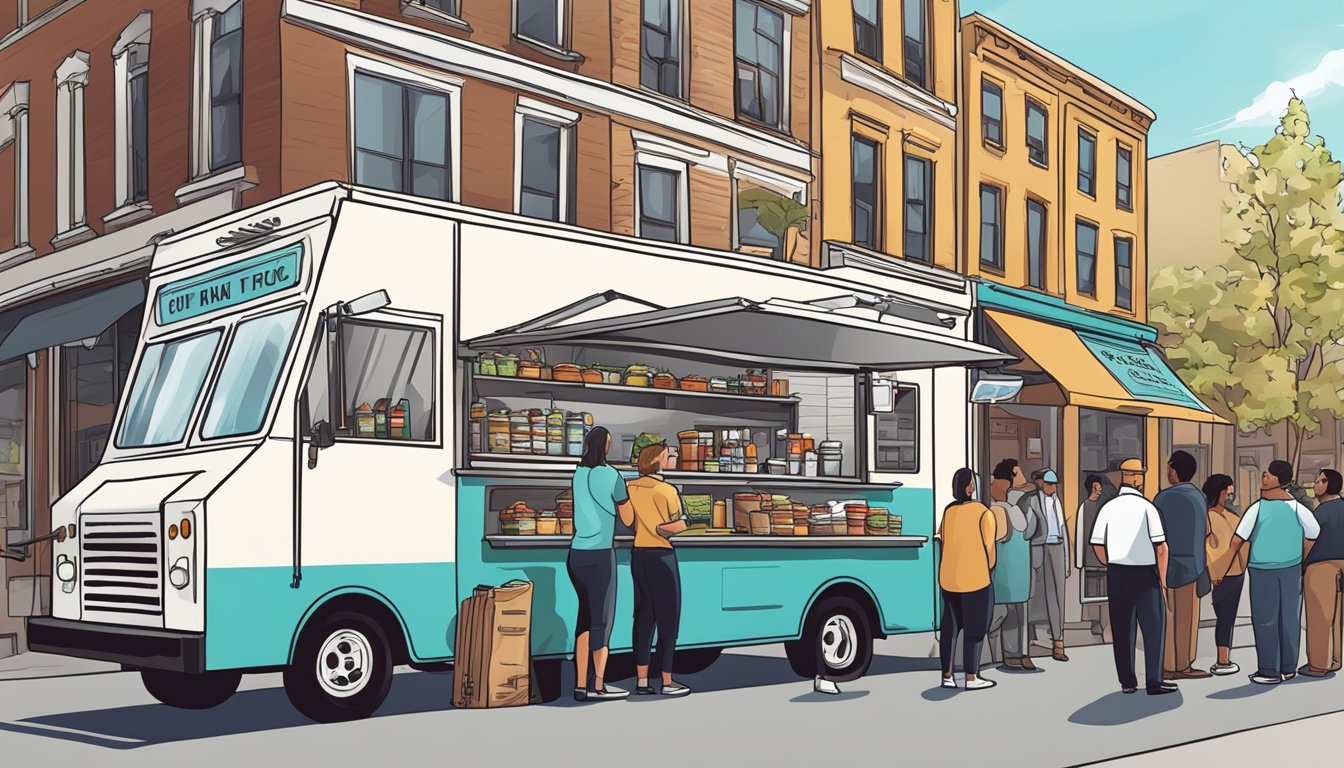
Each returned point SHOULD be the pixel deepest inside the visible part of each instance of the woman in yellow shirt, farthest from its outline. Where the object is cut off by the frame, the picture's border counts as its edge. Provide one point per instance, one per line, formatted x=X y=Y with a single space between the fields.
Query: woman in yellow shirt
x=1219 y=491
x=653 y=567
x=968 y=533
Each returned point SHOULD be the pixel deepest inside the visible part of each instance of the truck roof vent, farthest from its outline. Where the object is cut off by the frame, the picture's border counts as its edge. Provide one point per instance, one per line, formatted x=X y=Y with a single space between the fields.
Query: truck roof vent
x=248 y=232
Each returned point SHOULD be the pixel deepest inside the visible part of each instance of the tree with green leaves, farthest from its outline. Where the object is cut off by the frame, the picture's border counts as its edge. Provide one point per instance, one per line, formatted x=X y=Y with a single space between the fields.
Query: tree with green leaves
x=1260 y=336
x=776 y=214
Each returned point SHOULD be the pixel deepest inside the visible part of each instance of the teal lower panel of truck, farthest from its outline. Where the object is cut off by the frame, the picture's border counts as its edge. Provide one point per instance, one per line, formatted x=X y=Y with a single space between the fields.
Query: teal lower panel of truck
x=252 y=615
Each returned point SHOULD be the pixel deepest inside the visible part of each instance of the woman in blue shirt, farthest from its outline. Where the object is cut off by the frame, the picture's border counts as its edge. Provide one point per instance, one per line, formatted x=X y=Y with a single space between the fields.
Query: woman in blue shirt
x=599 y=498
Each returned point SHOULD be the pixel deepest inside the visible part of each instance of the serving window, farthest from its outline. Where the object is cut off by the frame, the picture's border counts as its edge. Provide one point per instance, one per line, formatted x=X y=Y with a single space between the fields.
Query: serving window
x=383 y=383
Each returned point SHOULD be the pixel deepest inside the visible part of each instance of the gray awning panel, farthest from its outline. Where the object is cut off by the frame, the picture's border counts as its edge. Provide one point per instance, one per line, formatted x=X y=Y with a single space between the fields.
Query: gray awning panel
x=54 y=322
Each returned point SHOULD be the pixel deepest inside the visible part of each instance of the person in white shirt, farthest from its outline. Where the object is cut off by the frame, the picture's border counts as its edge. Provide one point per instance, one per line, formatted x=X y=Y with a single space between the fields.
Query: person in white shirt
x=1128 y=538
x=1049 y=556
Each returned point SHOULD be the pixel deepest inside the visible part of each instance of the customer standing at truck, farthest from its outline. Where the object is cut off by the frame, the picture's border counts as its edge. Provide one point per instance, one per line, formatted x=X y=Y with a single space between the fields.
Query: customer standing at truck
x=969 y=554
x=653 y=568
x=600 y=497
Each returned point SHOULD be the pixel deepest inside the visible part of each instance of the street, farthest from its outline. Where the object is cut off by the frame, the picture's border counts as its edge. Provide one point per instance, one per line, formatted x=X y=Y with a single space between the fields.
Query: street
x=750 y=703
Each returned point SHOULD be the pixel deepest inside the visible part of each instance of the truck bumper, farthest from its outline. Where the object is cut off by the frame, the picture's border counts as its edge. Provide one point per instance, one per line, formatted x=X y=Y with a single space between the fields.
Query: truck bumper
x=138 y=647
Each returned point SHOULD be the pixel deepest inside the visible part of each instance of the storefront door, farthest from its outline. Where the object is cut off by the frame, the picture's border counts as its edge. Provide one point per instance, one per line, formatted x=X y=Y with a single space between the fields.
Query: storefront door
x=1105 y=440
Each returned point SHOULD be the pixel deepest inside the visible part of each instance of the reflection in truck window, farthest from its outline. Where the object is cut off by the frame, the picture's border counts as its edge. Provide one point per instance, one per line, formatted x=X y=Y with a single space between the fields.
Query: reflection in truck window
x=389 y=381
x=898 y=434
x=165 y=390
x=249 y=375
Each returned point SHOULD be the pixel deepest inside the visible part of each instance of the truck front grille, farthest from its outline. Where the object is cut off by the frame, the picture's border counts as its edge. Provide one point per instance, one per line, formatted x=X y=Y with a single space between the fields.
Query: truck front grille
x=121 y=566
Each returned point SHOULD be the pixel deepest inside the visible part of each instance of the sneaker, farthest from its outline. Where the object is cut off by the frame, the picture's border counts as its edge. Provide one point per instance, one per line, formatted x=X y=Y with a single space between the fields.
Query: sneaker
x=645 y=690
x=822 y=685
x=1229 y=668
x=1288 y=676
x=675 y=689
x=1260 y=679
x=1128 y=691
x=1161 y=690
x=608 y=693
x=949 y=682
x=979 y=683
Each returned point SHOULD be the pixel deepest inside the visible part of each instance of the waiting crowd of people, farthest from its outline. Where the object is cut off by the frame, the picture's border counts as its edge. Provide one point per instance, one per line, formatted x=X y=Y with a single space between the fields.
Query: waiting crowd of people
x=1005 y=561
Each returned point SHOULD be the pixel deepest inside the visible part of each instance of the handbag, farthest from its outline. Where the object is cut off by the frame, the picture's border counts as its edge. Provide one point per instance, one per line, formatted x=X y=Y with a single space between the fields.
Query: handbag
x=1202 y=585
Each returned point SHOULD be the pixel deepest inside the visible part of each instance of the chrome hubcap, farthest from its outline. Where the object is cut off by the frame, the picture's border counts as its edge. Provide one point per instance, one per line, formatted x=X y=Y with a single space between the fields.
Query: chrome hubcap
x=344 y=663
x=839 y=642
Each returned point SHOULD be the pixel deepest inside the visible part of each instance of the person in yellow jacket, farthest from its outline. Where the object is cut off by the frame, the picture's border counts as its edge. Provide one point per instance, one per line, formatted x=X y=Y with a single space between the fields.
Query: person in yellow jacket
x=653 y=568
x=968 y=534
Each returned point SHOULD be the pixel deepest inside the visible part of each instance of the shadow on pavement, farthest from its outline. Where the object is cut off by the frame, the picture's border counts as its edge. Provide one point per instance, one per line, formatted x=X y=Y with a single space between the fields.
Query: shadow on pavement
x=1242 y=692
x=1120 y=709
x=939 y=694
x=816 y=698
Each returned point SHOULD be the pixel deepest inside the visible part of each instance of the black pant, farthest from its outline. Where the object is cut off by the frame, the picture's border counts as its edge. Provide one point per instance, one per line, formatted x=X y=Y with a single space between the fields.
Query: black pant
x=1226 y=600
x=1135 y=595
x=593 y=573
x=967 y=612
x=657 y=604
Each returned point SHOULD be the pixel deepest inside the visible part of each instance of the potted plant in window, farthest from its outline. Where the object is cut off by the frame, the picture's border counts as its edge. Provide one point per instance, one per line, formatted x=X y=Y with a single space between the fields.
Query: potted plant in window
x=781 y=216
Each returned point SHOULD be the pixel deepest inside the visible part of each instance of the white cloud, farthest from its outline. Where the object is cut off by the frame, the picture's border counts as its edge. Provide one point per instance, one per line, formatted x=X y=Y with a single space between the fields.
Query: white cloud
x=1270 y=104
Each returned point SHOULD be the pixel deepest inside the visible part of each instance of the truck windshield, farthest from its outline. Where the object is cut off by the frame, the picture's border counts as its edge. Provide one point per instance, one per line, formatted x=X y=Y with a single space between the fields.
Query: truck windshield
x=165 y=390
x=247 y=381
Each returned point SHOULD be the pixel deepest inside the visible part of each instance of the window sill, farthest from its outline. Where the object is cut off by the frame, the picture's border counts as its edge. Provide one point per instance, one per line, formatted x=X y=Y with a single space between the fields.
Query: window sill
x=1125 y=208
x=992 y=269
x=1039 y=164
x=233 y=178
x=562 y=54
x=16 y=256
x=997 y=149
x=416 y=10
x=128 y=214
x=73 y=236
x=782 y=130
x=1089 y=195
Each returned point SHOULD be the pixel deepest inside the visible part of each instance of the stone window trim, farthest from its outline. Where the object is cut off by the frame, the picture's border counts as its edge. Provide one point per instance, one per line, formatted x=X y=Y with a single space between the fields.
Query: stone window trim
x=558 y=117
x=133 y=43
x=14 y=137
x=72 y=76
x=682 y=169
x=418 y=9
x=205 y=14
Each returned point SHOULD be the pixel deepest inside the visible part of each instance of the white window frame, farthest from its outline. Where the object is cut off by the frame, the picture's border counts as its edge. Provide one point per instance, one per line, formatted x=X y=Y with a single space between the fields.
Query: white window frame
x=72 y=76
x=682 y=168
x=559 y=117
x=204 y=14
x=562 y=44
x=135 y=36
x=14 y=131
x=785 y=67
x=439 y=82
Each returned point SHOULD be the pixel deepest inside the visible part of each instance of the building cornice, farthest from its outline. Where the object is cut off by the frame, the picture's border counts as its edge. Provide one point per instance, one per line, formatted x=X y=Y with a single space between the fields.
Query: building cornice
x=892 y=88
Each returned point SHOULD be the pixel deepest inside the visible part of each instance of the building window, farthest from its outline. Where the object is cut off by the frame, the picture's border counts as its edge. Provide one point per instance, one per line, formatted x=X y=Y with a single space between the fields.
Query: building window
x=450 y=7
x=540 y=20
x=1086 y=235
x=14 y=138
x=1087 y=163
x=991 y=227
x=991 y=112
x=864 y=181
x=71 y=78
x=771 y=212
x=14 y=469
x=1037 y=133
x=868 y=28
x=1124 y=273
x=662 y=202
x=898 y=434
x=1036 y=234
x=131 y=65
x=402 y=138
x=916 y=52
x=660 y=47
x=1123 y=177
x=93 y=376
x=1105 y=439
x=759 y=59
x=219 y=89
x=918 y=208
x=544 y=136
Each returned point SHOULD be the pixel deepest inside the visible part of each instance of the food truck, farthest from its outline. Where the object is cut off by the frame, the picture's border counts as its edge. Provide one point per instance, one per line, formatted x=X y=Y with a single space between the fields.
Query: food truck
x=349 y=408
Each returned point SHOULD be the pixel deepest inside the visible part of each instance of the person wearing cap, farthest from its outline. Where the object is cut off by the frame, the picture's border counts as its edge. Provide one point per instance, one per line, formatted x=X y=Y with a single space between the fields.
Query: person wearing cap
x=1280 y=531
x=1129 y=540
x=1184 y=512
x=1049 y=556
x=653 y=566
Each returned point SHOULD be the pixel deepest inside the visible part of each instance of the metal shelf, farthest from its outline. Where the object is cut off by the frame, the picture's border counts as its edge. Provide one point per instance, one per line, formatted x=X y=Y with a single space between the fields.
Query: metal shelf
x=734 y=541
x=542 y=384
x=561 y=467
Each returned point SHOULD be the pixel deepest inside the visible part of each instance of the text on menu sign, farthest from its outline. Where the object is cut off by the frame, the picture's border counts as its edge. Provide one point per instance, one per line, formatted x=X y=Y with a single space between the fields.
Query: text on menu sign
x=230 y=285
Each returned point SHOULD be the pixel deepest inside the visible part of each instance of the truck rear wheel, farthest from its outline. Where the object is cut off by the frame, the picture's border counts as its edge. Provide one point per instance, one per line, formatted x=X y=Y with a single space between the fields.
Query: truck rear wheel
x=342 y=669
x=186 y=690
x=837 y=641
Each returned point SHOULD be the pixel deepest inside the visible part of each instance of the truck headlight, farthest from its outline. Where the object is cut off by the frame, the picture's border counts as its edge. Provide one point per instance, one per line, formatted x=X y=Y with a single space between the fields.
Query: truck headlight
x=180 y=574
x=65 y=569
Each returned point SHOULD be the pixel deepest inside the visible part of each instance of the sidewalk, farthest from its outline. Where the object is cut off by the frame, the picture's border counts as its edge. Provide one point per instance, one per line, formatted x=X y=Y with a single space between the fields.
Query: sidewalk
x=33 y=666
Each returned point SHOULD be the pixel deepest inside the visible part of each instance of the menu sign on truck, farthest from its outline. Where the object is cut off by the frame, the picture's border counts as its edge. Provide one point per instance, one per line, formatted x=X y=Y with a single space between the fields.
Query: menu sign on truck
x=230 y=285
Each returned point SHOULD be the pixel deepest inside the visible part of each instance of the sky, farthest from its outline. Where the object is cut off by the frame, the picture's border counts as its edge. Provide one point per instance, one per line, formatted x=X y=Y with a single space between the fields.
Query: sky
x=1210 y=69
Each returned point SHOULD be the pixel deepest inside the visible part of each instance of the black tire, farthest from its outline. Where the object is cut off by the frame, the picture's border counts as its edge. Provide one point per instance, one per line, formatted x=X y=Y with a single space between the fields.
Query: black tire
x=693 y=660
x=186 y=690
x=362 y=648
x=548 y=676
x=840 y=624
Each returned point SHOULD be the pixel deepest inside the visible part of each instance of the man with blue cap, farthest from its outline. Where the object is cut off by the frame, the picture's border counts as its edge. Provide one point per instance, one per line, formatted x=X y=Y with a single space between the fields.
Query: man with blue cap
x=1050 y=558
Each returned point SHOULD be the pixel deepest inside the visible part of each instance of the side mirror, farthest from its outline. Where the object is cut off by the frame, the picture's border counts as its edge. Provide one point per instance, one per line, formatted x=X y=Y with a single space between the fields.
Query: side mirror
x=369 y=302
x=881 y=396
x=322 y=438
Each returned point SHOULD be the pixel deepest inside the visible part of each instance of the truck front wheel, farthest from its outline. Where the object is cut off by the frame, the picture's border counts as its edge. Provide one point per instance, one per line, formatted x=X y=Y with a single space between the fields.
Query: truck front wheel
x=837 y=641
x=342 y=669
x=186 y=690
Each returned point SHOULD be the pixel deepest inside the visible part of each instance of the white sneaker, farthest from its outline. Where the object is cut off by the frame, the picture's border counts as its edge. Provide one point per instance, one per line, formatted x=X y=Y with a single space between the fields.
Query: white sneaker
x=1260 y=679
x=950 y=682
x=608 y=693
x=979 y=683
x=675 y=689
x=822 y=685
x=1230 y=668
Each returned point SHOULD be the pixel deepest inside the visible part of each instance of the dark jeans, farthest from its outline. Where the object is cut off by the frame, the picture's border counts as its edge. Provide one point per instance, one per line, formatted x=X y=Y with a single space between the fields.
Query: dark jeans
x=593 y=573
x=657 y=604
x=1226 y=599
x=1134 y=593
x=1276 y=615
x=967 y=612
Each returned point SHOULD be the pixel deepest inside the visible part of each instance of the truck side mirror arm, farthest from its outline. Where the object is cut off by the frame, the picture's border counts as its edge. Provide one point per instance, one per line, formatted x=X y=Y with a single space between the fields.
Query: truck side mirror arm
x=321 y=438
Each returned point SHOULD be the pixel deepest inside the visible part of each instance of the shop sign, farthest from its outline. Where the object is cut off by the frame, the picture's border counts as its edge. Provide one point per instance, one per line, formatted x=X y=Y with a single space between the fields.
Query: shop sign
x=230 y=285
x=1141 y=371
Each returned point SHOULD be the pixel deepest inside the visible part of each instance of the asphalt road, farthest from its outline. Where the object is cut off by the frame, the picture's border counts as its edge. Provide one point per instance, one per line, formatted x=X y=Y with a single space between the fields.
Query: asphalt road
x=747 y=709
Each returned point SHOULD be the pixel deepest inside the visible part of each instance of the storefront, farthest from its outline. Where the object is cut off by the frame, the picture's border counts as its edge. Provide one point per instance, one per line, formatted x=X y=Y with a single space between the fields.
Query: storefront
x=1094 y=389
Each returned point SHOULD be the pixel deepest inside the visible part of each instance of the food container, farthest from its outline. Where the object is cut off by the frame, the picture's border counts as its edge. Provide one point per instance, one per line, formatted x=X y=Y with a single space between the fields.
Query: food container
x=776 y=467
x=477 y=442
x=547 y=523
x=699 y=508
x=800 y=529
x=486 y=364
x=591 y=376
x=568 y=372
x=520 y=433
x=734 y=386
x=694 y=384
x=795 y=465
x=755 y=383
x=529 y=370
x=611 y=374
x=574 y=434
x=497 y=432
x=664 y=381
x=781 y=517
x=831 y=454
x=760 y=524
x=856 y=519
x=809 y=463
x=507 y=365
x=638 y=376
x=876 y=524
x=893 y=525
x=365 y=423
x=779 y=387
x=566 y=526
x=744 y=504
x=719 y=515
x=718 y=386
x=537 y=427
x=527 y=526
x=782 y=530
x=555 y=433
x=564 y=504
x=690 y=451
